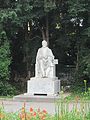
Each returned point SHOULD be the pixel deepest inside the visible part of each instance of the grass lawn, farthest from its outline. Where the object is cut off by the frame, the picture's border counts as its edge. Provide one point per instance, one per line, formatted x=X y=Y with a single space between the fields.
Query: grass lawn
x=6 y=97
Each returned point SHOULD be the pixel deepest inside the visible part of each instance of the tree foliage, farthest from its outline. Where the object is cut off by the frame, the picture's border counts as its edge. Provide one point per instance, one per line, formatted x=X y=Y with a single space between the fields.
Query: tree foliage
x=5 y=60
x=64 y=24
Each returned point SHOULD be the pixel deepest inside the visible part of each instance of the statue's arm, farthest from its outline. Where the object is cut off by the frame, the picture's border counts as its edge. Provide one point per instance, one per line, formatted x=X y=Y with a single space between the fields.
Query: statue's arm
x=51 y=54
x=38 y=55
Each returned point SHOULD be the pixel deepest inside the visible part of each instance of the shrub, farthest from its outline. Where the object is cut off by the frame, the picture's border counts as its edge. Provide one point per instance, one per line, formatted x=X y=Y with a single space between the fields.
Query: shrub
x=5 y=60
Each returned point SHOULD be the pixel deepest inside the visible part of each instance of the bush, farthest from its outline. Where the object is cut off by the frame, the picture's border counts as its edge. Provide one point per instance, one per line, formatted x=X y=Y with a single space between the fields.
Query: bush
x=5 y=60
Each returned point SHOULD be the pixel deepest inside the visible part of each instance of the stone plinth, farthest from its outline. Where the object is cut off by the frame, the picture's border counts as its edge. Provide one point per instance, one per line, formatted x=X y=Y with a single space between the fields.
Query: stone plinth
x=43 y=86
x=36 y=98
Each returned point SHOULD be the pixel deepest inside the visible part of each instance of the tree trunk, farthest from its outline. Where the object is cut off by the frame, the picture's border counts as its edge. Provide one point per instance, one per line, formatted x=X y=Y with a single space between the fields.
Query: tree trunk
x=43 y=34
x=77 y=64
x=47 y=30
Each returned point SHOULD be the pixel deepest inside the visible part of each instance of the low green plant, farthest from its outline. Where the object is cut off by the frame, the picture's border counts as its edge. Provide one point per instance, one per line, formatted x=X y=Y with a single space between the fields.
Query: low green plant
x=80 y=90
x=78 y=109
x=85 y=84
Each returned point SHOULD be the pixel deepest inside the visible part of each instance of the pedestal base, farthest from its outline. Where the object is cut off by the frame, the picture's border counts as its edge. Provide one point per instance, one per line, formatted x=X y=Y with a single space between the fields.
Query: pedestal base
x=43 y=86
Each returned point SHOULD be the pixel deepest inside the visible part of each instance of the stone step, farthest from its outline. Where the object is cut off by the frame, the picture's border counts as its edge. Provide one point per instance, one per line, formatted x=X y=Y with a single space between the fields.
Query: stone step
x=36 y=98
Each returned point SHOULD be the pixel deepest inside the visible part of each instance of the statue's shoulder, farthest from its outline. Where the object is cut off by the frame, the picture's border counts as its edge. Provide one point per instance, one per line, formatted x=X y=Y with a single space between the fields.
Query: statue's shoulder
x=49 y=49
x=39 y=50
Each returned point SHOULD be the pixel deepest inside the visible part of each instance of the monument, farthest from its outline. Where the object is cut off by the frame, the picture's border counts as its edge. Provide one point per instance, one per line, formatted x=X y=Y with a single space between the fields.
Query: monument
x=45 y=86
x=45 y=81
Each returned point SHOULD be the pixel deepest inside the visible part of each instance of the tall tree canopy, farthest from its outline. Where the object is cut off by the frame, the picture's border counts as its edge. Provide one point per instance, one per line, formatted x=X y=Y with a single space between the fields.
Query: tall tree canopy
x=65 y=24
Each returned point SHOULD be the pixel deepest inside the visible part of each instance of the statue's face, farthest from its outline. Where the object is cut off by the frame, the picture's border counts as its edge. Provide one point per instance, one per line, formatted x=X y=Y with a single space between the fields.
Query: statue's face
x=44 y=43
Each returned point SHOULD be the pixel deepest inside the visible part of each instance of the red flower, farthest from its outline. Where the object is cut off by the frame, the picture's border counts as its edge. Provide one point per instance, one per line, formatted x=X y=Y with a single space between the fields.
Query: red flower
x=44 y=111
x=31 y=109
x=34 y=114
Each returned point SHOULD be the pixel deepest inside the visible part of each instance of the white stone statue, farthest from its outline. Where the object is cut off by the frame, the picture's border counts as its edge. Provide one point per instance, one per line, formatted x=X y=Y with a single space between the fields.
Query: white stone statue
x=45 y=63
x=45 y=80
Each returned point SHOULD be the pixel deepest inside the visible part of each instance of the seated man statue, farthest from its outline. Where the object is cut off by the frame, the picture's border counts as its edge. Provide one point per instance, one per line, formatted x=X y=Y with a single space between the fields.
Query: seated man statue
x=44 y=61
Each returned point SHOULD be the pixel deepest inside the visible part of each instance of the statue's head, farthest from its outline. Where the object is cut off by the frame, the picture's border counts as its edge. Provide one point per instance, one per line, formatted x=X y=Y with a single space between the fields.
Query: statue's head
x=44 y=43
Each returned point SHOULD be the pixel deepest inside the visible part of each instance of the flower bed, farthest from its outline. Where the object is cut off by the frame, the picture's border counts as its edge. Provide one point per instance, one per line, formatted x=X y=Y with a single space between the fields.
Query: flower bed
x=38 y=114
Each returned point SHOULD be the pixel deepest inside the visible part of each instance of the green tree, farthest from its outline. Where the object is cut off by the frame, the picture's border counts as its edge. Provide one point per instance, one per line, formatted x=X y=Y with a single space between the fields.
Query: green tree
x=5 y=60
x=64 y=24
x=5 y=53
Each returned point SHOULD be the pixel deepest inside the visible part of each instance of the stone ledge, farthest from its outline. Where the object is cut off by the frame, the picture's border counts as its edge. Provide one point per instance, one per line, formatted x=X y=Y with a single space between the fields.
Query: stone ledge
x=38 y=78
x=35 y=98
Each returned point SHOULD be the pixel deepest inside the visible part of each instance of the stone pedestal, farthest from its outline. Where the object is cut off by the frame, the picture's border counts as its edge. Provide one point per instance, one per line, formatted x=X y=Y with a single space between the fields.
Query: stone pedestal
x=43 y=86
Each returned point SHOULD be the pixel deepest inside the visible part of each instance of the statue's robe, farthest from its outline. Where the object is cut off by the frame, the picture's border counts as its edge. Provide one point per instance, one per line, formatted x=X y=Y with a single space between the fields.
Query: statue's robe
x=44 y=60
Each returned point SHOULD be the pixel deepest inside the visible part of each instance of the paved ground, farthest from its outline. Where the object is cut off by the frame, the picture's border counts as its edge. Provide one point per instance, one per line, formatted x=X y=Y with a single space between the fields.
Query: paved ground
x=51 y=107
x=13 y=106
